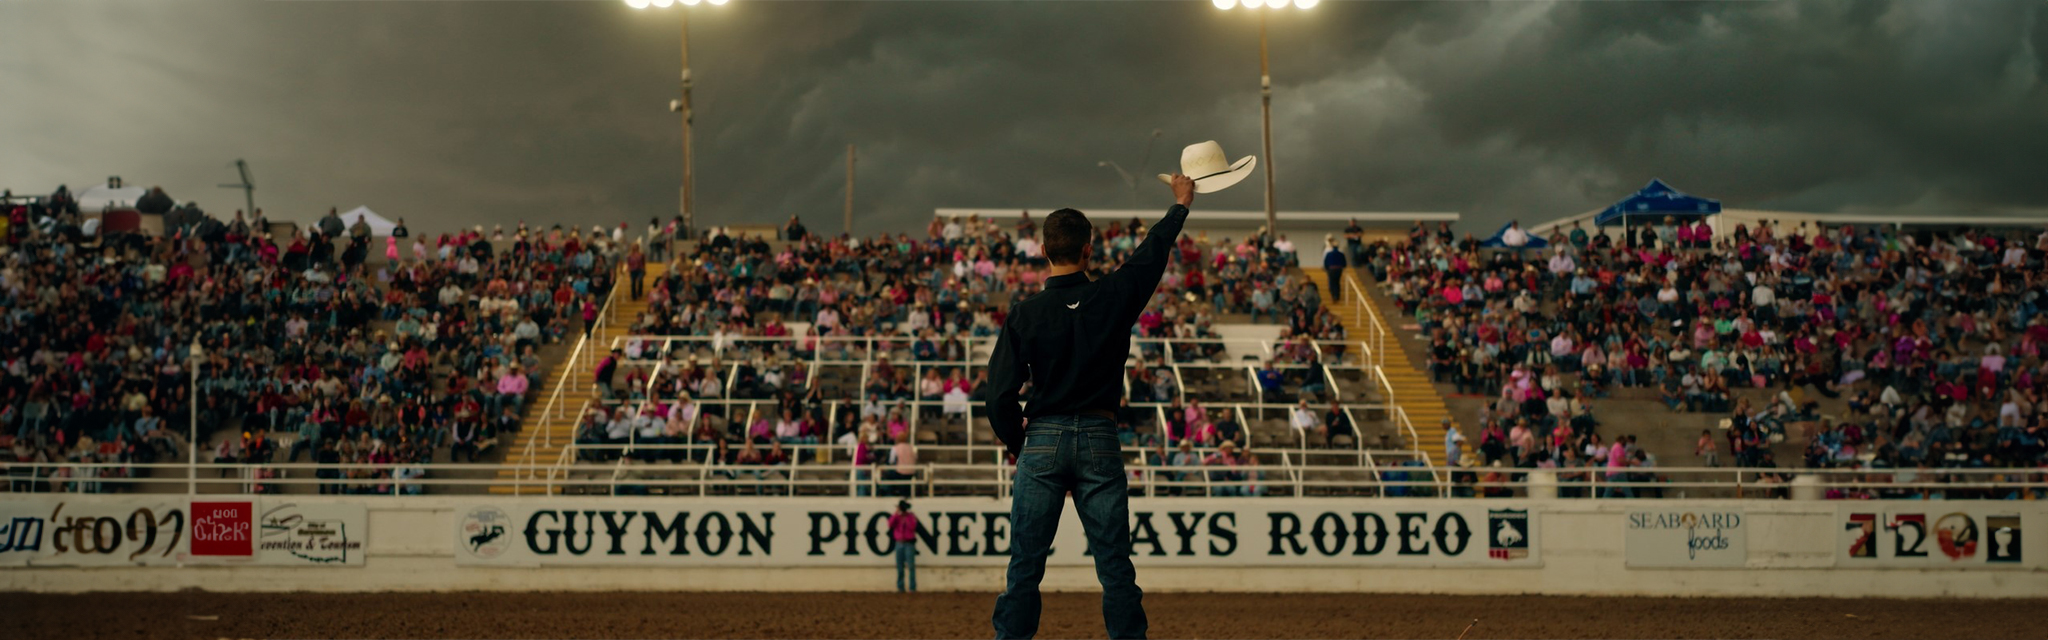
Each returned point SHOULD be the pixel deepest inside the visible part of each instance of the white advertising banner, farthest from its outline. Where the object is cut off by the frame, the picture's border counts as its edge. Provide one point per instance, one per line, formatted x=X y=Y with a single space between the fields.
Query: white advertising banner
x=121 y=531
x=1933 y=535
x=290 y=533
x=278 y=532
x=977 y=532
x=1681 y=538
x=92 y=531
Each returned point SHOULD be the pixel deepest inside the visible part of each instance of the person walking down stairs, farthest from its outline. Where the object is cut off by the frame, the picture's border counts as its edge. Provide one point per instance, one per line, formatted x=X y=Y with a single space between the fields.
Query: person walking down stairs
x=1333 y=264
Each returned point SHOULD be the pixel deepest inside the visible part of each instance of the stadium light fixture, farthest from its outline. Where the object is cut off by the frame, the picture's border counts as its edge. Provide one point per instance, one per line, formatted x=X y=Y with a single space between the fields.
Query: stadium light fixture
x=682 y=107
x=1266 y=97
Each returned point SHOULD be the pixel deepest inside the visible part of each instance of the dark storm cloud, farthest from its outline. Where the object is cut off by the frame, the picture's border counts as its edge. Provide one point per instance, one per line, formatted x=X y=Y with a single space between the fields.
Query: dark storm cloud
x=493 y=112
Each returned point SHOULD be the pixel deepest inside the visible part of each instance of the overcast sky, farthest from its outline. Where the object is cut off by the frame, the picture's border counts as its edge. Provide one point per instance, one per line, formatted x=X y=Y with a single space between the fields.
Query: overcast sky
x=458 y=113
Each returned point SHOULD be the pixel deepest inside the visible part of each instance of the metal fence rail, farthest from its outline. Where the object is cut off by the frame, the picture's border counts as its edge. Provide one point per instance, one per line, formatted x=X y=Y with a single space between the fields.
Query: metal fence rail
x=658 y=355
x=815 y=472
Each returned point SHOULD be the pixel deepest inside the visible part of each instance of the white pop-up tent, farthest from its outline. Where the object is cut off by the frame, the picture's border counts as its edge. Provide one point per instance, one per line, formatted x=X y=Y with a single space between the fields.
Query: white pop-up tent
x=379 y=225
x=99 y=198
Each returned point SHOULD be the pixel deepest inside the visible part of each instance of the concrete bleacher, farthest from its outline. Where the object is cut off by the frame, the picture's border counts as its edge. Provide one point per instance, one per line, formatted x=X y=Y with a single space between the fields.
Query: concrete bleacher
x=1421 y=402
x=1220 y=381
x=548 y=424
x=957 y=440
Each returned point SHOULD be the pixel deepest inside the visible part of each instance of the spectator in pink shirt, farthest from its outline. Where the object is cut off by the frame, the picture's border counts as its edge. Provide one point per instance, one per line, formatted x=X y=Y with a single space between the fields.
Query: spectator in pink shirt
x=1617 y=463
x=903 y=530
x=511 y=388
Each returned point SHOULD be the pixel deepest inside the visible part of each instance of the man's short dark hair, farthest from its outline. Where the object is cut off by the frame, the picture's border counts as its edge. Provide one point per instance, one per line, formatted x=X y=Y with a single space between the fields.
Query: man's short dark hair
x=1067 y=233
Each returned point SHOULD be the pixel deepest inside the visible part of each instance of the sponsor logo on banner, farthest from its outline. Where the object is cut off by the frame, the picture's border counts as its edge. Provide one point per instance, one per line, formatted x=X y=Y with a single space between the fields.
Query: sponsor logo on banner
x=313 y=534
x=92 y=532
x=1947 y=536
x=119 y=531
x=1508 y=534
x=484 y=533
x=977 y=532
x=1957 y=534
x=1909 y=535
x=2002 y=544
x=223 y=529
x=1676 y=538
x=2003 y=540
x=1862 y=542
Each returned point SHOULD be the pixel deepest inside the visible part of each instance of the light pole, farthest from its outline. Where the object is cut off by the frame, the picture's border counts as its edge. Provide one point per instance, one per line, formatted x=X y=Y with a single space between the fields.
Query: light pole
x=1146 y=160
x=197 y=354
x=683 y=107
x=1129 y=183
x=1266 y=98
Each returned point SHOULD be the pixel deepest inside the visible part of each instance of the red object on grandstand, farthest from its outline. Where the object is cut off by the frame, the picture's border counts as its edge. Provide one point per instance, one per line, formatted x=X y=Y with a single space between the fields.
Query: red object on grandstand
x=120 y=221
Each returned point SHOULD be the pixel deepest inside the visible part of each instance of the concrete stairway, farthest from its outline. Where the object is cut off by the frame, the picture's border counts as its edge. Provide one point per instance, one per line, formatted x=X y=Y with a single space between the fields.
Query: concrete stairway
x=548 y=434
x=1412 y=390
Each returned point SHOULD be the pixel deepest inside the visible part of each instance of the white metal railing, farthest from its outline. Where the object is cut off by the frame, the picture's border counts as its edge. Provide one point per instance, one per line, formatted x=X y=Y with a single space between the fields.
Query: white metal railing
x=875 y=347
x=1375 y=360
x=572 y=367
x=1290 y=476
x=1376 y=342
x=964 y=429
x=660 y=352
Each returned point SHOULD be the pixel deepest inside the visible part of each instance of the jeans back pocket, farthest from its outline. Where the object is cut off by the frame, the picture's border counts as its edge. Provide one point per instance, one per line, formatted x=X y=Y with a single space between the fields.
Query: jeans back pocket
x=1040 y=453
x=1105 y=453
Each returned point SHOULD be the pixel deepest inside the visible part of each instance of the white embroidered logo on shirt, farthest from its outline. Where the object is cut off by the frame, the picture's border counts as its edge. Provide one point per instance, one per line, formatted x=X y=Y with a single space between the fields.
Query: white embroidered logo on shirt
x=1075 y=305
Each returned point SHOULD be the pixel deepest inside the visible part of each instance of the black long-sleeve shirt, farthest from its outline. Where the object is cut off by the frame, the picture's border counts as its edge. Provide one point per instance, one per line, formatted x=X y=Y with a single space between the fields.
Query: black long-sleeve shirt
x=1071 y=339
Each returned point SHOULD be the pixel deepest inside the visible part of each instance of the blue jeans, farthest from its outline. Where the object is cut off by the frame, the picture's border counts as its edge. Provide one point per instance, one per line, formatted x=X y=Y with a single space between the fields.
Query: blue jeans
x=1618 y=490
x=1081 y=455
x=906 y=564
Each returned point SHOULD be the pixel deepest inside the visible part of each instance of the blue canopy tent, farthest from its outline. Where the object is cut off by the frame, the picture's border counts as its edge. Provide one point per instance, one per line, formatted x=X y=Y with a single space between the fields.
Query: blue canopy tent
x=1655 y=201
x=1495 y=242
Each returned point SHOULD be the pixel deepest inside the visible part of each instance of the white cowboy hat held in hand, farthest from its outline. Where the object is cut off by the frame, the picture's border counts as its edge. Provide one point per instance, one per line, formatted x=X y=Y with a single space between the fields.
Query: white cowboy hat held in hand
x=1205 y=162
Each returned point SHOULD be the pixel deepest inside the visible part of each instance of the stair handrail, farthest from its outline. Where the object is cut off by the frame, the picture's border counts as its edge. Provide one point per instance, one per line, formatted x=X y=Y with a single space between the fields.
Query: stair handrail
x=1329 y=378
x=1400 y=417
x=1357 y=435
x=571 y=366
x=561 y=467
x=1376 y=343
x=1415 y=445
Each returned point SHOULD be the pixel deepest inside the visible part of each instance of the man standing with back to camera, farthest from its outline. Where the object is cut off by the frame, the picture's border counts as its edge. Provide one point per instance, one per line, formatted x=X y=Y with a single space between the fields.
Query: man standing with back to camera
x=1070 y=341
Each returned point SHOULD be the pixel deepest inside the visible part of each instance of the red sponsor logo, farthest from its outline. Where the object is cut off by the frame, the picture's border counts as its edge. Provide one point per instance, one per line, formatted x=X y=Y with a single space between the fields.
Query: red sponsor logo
x=223 y=529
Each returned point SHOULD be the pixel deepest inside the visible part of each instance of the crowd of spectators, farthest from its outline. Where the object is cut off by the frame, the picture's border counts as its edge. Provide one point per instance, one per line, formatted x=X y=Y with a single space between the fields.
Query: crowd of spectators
x=895 y=302
x=1929 y=341
x=311 y=348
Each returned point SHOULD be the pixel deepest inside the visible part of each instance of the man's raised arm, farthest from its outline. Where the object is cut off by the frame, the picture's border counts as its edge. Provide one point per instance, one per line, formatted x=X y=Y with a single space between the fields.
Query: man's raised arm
x=1139 y=276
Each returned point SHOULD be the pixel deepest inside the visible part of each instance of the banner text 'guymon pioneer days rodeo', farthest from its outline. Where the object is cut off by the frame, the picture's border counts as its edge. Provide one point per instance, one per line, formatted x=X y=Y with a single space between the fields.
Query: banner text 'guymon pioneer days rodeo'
x=965 y=532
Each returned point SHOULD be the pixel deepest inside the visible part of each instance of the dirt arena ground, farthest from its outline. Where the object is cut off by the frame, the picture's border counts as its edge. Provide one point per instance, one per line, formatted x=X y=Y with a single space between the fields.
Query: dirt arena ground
x=965 y=615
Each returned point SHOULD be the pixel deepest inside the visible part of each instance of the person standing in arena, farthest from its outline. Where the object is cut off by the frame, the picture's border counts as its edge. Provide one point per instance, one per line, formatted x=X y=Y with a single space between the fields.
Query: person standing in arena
x=903 y=530
x=1070 y=341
